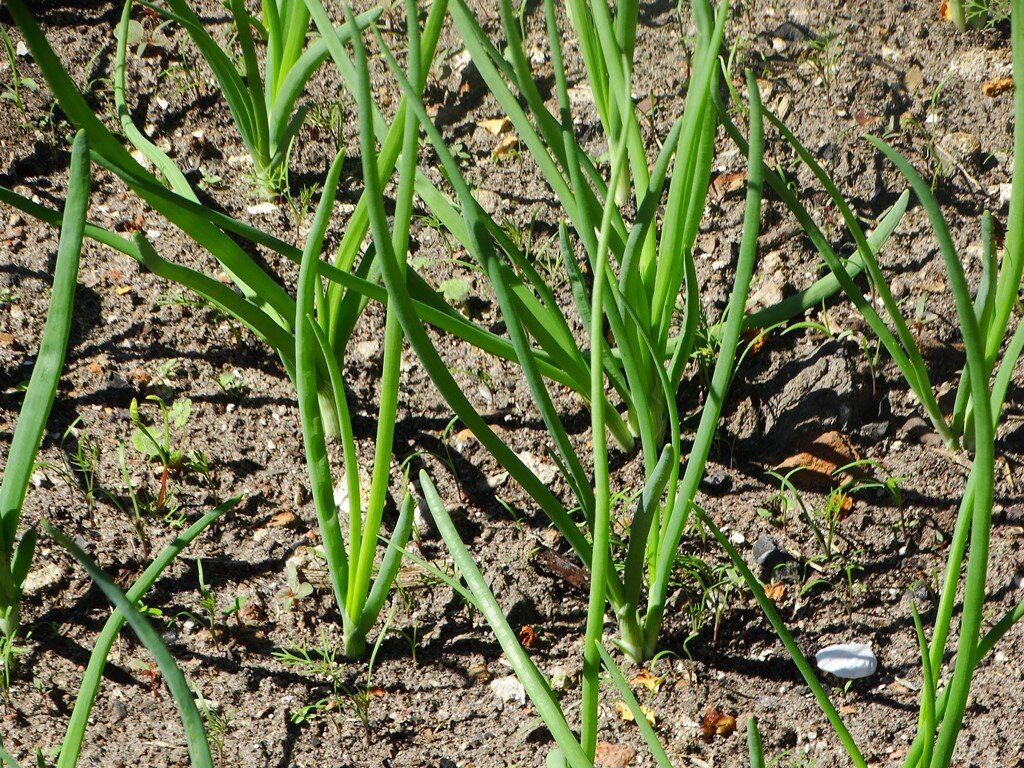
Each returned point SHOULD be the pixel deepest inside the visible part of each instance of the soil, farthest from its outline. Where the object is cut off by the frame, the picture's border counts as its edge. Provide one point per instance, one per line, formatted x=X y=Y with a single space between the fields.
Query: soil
x=834 y=72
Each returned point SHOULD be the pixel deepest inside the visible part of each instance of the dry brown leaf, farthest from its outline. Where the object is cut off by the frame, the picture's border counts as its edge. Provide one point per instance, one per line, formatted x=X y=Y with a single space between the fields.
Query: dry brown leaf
x=648 y=680
x=496 y=126
x=527 y=636
x=754 y=339
x=820 y=461
x=282 y=519
x=997 y=85
x=626 y=714
x=508 y=144
x=774 y=591
x=728 y=182
x=716 y=723
x=608 y=755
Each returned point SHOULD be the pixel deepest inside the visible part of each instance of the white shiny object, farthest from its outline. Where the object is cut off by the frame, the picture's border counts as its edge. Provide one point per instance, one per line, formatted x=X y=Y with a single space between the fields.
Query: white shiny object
x=850 y=661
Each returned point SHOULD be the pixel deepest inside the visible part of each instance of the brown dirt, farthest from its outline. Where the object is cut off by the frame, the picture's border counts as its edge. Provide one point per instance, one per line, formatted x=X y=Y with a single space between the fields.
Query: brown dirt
x=891 y=69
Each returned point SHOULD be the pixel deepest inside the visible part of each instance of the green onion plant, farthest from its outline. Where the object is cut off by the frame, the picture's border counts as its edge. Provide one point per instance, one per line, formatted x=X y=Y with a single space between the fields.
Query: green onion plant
x=991 y=356
x=192 y=721
x=570 y=750
x=16 y=554
x=263 y=96
x=308 y=330
x=644 y=268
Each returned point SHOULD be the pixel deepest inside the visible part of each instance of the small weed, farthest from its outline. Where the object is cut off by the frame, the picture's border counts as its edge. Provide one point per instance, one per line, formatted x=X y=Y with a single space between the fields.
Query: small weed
x=232 y=383
x=295 y=590
x=18 y=83
x=323 y=662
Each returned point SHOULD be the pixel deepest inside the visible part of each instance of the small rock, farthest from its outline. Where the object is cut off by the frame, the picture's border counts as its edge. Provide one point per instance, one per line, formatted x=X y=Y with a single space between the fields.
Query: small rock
x=774 y=561
x=509 y=690
x=262 y=209
x=875 y=430
x=542 y=467
x=118 y=711
x=44 y=577
x=957 y=149
x=787 y=400
x=366 y=350
x=609 y=755
x=920 y=594
x=792 y=32
x=715 y=481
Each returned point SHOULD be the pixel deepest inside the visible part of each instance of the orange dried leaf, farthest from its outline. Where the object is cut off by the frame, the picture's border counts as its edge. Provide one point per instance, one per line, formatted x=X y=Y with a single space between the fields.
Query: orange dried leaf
x=527 y=636
x=774 y=591
x=716 y=723
x=820 y=461
x=944 y=11
x=648 y=680
x=754 y=339
x=997 y=85
x=281 y=519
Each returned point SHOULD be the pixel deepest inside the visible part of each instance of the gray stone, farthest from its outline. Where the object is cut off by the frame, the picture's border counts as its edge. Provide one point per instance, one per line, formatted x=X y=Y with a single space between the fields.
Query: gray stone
x=780 y=400
x=774 y=561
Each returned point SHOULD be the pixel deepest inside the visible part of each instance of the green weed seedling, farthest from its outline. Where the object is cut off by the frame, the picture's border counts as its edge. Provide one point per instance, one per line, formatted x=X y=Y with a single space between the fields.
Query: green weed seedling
x=13 y=92
x=323 y=662
x=80 y=454
x=294 y=590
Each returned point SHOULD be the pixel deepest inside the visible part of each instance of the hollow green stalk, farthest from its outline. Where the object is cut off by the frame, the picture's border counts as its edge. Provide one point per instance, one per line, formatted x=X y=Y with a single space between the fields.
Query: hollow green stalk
x=16 y=555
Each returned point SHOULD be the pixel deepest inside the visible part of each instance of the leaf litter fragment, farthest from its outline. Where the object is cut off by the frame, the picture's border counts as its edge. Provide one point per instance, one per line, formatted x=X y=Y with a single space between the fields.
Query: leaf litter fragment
x=716 y=723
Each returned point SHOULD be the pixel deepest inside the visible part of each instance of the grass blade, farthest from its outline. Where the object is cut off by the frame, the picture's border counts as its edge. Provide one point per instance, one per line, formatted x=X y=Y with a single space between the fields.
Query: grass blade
x=195 y=733
x=93 y=676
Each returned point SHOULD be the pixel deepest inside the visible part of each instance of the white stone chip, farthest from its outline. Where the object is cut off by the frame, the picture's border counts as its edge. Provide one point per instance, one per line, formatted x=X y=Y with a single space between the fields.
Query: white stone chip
x=849 y=661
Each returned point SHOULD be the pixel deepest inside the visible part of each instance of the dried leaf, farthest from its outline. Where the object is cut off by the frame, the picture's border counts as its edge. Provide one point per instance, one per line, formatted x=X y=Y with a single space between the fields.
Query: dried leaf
x=728 y=182
x=506 y=146
x=820 y=461
x=997 y=85
x=944 y=11
x=716 y=723
x=527 y=636
x=282 y=519
x=626 y=714
x=774 y=591
x=754 y=339
x=648 y=680
x=496 y=126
